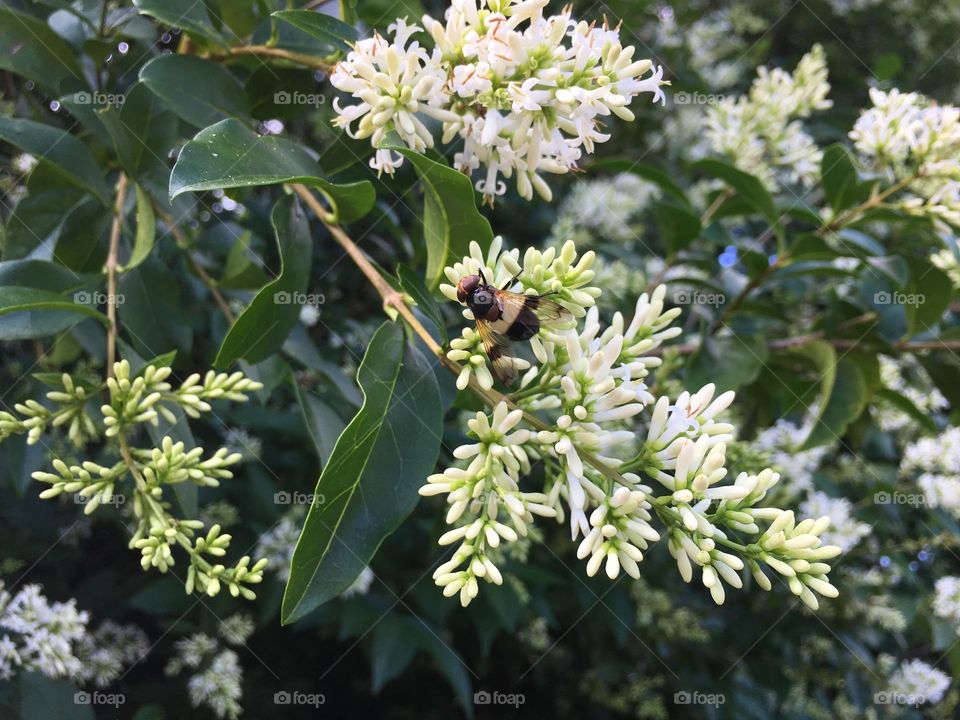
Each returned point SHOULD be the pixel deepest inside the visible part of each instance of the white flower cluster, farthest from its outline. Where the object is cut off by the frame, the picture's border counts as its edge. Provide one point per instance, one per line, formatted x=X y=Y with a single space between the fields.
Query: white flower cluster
x=916 y=141
x=917 y=683
x=946 y=599
x=918 y=389
x=845 y=530
x=935 y=462
x=604 y=207
x=53 y=638
x=526 y=93
x=781 y=443
x=591 y=382
x=217 y=682
x=762 y=133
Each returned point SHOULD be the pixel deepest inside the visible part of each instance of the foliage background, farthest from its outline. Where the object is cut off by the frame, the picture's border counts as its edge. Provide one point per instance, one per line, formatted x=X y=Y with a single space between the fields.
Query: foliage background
x=573 y=646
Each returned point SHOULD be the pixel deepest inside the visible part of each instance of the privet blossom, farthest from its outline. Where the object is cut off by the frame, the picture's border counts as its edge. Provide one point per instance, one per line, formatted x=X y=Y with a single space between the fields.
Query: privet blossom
x=623 y=467
x=527 y=94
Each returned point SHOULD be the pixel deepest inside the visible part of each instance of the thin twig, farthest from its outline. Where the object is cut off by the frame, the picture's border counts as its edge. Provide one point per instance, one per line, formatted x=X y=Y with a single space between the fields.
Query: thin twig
x=111 y=270
x=275 y=53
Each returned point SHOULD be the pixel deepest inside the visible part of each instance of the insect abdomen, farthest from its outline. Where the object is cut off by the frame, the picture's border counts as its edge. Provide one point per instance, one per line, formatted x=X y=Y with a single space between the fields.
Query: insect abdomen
x=524 y=327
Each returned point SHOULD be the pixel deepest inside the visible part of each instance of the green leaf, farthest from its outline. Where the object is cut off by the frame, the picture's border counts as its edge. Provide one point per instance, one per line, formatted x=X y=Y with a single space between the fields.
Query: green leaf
x=678 y=226
x=323 y=423
x=36 y=218
x=450 y=216
x=211 y=93
x=394 y=645
x=41 y=697
x=37 y=313
x=837 y=176
x=370 y=483
x=146 y=231
x=131 y=128
x=647 y=172
x=906 y=405
x=83 y=242
x=411 y=284
x=71 y=158
x=28 y=47
x=843 y=394
x=262 y=327
x=187 y=14
x=229 y=155
x=933 y=290
x=152 y=310
x=729 y=361
x=747 y=186
x=321 y=26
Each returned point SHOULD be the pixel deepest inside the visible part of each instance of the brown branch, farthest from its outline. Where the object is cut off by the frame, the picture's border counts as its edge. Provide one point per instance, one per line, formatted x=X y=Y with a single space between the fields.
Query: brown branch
x=111 y=269
x=274 y=53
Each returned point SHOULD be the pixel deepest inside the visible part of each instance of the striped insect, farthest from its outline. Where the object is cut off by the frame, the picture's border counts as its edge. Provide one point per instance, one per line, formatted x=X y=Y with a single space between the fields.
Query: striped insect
x=503 y=316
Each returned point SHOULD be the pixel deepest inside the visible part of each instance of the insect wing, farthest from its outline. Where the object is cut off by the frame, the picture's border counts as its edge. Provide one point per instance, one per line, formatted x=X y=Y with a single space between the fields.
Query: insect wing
x=499 y=352
x=549 y=311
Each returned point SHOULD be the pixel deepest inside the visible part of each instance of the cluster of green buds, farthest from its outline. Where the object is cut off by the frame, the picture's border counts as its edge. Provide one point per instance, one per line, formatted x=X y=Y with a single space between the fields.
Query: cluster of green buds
x=144 y=474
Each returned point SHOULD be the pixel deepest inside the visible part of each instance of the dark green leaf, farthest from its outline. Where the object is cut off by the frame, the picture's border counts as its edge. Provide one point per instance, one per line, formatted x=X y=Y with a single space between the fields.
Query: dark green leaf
x=68 y=155
x=211 y=94
x=394 y=645
x=838 y=175
x=83 y=242
x=747 y=186
x=450 y=216
x=228 y=155
x=647 y=172
x=28 y=47
x=323 y=423
x=411 y=284
x=370 y=483
x=932 y=288
x=267 y=320
x=31 y=313
x=728 y=361
x=146 y=231
x=41 y=697
x=904 y=404
x=151 y=312
x=678 y=226
x=321 y=26
x=843 y=395
x=35 y=219
x=187 y=14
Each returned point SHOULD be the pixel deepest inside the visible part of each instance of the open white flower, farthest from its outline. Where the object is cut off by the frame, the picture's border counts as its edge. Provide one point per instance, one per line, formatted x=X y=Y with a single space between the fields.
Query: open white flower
x=528 y=94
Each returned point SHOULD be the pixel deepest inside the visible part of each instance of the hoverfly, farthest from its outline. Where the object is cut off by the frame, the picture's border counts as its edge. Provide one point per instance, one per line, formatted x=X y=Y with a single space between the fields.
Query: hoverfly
x=503 y=316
